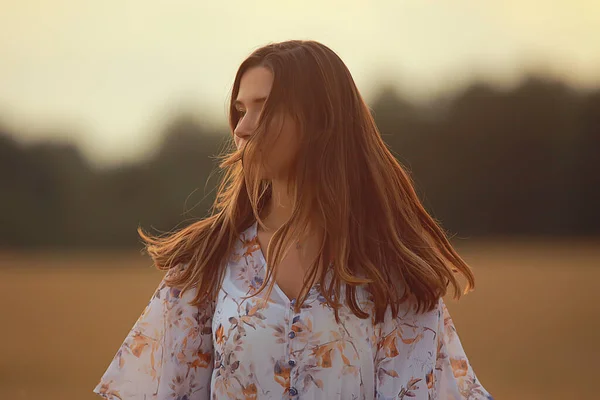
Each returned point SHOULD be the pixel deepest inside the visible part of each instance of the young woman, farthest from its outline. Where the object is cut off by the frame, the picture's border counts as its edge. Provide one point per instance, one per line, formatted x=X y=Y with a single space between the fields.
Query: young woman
x=318 y=275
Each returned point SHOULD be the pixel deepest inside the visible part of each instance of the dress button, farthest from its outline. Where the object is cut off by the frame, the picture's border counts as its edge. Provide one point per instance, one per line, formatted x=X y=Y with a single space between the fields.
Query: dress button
x=293 y=302
x=293 y=391
x=292 y=334
x=292 y=362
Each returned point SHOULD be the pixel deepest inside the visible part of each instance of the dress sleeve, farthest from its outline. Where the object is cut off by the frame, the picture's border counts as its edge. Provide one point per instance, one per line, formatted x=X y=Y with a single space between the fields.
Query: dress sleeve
x=419 y=356
x=167 y=354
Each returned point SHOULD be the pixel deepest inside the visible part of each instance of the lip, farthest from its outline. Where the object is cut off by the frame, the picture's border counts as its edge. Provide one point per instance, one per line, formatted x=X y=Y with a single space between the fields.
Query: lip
x=240 y=144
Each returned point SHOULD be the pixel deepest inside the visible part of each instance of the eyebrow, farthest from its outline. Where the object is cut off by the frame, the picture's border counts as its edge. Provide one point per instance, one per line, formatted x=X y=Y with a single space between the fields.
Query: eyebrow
x=257 y=100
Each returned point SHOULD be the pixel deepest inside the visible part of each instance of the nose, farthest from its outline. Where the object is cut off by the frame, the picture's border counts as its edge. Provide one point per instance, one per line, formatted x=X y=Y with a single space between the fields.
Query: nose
x=241 y=135
x=244 y=129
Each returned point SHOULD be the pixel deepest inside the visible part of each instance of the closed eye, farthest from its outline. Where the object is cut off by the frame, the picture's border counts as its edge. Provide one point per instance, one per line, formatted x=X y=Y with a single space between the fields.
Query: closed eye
x=240 y=107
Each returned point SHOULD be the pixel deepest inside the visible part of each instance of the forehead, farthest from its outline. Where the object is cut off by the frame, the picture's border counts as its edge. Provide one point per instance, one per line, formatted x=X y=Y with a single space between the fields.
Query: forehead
x=255 y=83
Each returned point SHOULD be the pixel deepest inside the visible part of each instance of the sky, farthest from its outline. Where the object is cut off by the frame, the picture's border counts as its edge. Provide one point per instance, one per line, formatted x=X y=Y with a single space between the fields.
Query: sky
x=106 y=75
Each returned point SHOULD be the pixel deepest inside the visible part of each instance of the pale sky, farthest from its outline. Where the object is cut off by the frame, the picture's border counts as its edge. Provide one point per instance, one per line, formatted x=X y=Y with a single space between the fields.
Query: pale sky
x=106 y=74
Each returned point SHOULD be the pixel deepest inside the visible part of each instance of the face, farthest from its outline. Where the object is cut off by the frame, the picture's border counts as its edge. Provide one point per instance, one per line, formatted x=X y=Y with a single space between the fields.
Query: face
x=255 y=86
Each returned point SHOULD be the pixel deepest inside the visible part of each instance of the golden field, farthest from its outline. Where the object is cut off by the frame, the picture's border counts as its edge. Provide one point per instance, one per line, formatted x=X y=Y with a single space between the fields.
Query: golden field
x=529 y=328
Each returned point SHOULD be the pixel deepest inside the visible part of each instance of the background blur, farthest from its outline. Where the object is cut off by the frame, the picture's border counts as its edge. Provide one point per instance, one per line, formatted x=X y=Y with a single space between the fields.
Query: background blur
x=111 y=113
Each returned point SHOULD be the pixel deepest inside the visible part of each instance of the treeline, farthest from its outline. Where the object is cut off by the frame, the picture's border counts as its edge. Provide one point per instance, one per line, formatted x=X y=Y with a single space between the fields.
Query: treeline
x=485 y=162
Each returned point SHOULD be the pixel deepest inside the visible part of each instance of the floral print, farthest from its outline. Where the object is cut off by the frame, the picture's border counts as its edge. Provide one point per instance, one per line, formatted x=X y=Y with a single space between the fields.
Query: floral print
x=259 y=348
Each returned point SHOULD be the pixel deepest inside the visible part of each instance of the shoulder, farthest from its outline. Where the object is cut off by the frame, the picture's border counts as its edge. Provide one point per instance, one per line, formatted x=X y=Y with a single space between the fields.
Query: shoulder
x=409 y=317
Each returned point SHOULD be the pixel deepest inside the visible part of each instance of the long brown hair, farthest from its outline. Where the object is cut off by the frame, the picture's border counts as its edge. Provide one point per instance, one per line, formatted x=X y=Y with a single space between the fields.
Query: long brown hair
x=344 y=179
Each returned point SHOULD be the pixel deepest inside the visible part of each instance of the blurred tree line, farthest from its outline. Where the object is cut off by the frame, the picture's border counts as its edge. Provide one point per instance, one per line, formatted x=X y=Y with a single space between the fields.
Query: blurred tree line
x=484 y=161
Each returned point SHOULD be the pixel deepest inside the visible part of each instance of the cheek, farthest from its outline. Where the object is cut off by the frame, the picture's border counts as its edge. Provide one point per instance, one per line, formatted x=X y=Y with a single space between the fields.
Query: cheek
x=285 y=149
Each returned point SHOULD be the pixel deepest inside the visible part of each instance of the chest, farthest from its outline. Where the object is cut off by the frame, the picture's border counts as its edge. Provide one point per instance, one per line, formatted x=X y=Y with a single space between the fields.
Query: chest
x=293 y=268
x=282 y=349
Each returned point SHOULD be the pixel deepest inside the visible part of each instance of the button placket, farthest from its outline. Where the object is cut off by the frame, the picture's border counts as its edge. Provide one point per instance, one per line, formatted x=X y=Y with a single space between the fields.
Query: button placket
x=294 y=319
x=291 y=348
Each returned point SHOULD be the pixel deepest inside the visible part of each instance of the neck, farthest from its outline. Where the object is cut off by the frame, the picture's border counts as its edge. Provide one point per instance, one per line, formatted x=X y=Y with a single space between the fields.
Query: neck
x=278 y=209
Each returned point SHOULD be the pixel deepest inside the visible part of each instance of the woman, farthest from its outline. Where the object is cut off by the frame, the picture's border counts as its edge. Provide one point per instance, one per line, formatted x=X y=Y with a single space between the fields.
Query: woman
x=318 y=275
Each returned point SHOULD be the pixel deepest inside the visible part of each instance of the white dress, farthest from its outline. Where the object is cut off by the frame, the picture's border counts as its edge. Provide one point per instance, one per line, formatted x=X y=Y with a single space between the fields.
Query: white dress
x=251 y=349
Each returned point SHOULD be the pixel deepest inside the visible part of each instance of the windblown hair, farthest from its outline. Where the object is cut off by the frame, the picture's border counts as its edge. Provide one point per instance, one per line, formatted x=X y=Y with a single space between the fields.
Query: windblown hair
x=344 y=180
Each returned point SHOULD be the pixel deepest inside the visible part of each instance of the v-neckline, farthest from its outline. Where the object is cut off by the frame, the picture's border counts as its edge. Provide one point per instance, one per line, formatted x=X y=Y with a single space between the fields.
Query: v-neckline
x=263 y=261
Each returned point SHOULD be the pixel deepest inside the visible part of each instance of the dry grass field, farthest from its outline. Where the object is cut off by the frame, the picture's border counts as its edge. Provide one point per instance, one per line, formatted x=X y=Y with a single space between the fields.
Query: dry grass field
x=530 y=328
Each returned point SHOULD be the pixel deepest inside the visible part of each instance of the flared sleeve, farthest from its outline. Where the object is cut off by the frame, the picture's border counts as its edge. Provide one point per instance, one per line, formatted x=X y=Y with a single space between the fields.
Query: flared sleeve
x=167 y=354
x=420 y=356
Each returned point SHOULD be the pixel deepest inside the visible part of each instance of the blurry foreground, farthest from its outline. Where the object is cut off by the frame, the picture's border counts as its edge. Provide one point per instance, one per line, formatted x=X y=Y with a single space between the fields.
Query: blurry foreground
x=528 y=329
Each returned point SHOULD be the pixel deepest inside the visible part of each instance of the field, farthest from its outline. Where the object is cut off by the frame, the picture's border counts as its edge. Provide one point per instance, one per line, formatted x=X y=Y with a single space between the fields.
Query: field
x=529 y=328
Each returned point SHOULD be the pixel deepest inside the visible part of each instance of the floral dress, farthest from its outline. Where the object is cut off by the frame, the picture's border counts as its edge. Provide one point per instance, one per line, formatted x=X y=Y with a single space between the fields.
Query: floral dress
x=237 y=348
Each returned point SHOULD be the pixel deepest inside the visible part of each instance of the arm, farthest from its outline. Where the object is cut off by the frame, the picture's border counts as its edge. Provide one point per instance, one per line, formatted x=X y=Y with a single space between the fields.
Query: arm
x=166 y=355
x=420 y=356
